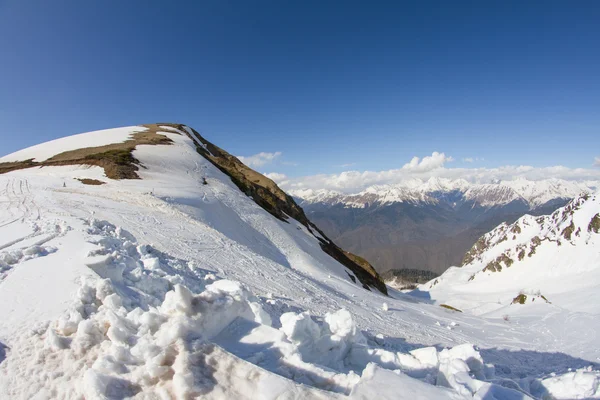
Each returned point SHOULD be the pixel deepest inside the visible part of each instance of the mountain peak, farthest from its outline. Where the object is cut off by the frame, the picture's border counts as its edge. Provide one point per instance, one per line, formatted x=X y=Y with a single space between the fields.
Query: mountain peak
x=142 y=153
x=533 y=194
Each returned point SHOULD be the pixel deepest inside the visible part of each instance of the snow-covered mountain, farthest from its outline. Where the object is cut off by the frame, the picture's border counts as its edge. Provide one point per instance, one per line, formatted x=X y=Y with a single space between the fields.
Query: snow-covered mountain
x=435 y=190
x=146 y=262
x=429 y=225
x=552 y=259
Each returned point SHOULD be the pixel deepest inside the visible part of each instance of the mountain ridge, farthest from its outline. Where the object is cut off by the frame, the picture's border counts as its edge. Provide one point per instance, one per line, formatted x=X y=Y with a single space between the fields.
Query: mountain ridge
x=533 y=193
x=552 y=256
x=118 y=162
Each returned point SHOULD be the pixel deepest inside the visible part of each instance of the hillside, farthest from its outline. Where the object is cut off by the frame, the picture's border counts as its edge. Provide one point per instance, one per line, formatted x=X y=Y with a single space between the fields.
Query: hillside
x=118 y=162
x=553 y=258
x=145 y=263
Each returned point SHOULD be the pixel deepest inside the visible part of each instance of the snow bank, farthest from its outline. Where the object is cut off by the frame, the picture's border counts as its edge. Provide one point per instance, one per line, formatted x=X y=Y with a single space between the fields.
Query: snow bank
x=580 y=384
x=337 y=345
x=145 y=325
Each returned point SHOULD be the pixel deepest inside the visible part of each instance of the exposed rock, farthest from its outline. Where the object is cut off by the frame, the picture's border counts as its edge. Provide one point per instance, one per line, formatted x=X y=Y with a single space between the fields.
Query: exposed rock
x=594 y=225
x=520 y=299
x=478 y=248
x=88 y=181
x=496 y=265
x=568 y=231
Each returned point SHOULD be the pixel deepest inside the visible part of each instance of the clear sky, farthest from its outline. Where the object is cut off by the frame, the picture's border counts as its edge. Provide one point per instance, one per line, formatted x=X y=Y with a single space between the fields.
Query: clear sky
x=331 y=85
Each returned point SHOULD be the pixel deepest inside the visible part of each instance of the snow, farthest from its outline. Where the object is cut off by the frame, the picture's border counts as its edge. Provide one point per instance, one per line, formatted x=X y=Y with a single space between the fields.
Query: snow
x=167 y=288
x=538 y=193
x=565 y=271
x=581 y=384
x=47 y=150
x=531 y=193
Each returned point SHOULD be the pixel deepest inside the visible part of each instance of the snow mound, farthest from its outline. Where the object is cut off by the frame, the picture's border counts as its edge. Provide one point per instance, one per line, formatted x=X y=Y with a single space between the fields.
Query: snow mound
x=147 y=325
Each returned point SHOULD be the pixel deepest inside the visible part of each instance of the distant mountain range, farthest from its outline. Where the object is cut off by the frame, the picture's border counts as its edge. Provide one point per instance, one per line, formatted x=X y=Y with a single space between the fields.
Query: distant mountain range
x=430 y=224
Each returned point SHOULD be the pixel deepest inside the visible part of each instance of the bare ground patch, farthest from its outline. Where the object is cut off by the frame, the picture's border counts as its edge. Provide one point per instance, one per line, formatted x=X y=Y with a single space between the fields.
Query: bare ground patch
x=88 y=181
x=446 y=306
x=116 y=159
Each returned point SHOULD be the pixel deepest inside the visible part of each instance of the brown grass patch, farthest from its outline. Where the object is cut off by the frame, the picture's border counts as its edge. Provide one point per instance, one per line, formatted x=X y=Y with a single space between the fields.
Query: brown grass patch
x=520 y=299
x=116 y=158
x=446 y=306
x=594 y=225
x=88 y=181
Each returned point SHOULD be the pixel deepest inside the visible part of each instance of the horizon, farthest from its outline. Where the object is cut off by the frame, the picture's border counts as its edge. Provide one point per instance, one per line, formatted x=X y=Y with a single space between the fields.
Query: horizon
x=308 y=92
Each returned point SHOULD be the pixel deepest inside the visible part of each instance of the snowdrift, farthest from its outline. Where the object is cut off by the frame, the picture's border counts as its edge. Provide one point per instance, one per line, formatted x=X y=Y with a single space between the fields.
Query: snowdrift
x=136 y=330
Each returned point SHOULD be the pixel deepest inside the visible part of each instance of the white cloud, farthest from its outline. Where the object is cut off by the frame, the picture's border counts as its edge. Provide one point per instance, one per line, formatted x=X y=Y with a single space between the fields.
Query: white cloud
x=433 y=166
x=276 y=176
x=468 y=159
x=260 y=159
x=597 y=162
x=428 y=163
x=347 y=165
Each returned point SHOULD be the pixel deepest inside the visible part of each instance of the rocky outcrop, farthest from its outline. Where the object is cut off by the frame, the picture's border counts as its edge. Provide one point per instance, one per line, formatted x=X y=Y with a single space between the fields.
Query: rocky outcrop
x=522 y=239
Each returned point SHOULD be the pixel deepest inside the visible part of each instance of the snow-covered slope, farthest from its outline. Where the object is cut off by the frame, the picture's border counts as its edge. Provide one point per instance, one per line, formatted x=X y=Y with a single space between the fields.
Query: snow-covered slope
x=180 y=285
x=555 y=256
x=531 y=193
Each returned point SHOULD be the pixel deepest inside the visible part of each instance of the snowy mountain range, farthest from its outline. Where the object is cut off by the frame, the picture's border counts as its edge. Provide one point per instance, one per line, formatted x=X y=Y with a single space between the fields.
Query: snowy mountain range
x=533 y=194
x=429 y=225
x=147 y=263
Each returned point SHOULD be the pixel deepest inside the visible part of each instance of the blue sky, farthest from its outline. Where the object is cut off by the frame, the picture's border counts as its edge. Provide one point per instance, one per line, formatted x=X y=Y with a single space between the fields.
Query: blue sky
x=330 y=85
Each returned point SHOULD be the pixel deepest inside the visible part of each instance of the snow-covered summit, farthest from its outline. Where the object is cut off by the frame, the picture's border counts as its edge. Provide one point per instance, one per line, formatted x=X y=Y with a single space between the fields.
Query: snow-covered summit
x=532 y=194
